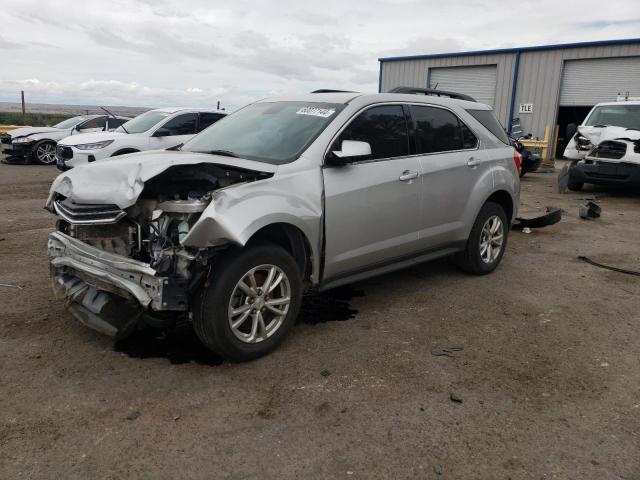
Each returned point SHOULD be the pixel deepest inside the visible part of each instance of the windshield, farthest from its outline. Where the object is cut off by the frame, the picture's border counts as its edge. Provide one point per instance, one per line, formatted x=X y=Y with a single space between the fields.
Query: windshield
x=143 y=122
x=271 y=132
x=69 y=122
x=626 y=116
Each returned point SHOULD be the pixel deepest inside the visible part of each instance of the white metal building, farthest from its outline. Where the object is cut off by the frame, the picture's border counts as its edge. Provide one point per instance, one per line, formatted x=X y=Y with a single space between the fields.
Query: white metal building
x=543 y=86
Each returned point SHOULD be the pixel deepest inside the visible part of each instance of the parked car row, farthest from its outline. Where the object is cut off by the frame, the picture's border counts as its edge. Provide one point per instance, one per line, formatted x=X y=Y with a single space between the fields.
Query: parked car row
x=228 y=228
x=88 y=138
x=38 y=144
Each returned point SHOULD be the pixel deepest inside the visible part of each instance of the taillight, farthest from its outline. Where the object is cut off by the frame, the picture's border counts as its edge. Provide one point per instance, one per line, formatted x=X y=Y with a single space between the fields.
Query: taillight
x=517 y=159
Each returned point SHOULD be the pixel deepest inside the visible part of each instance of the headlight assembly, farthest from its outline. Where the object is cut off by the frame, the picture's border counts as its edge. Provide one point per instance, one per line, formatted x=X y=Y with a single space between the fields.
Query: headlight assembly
x=22 y=140
x=94 y=146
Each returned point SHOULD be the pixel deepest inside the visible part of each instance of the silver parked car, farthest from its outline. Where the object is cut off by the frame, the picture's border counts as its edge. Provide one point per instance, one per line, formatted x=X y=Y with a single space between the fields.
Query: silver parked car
x=309 y=191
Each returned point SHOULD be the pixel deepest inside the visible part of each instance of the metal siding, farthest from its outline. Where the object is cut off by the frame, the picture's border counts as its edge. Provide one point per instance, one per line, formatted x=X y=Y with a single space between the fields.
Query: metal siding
x=539 y=79
x=477 y=81
x=590 y=81
x=395 y=74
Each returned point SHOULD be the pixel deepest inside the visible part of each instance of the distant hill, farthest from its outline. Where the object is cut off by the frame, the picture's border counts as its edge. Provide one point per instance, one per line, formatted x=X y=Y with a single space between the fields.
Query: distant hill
x=71 y=110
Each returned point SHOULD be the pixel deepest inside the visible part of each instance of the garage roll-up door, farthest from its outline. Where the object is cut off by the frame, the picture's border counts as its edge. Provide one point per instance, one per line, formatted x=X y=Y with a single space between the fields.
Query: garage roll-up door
x=479 y=82
x=587 y=82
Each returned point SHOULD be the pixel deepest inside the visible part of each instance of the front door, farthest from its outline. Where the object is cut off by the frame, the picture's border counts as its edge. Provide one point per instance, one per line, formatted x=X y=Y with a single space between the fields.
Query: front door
x=372 y=206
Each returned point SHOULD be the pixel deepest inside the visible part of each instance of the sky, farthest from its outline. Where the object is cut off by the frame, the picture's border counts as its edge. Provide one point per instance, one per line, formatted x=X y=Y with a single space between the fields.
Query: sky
x=153 y=53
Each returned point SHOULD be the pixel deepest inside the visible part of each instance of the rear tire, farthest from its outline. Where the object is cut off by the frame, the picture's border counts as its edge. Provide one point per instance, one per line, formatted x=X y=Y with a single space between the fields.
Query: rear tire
x=44 y=153
x=487 y=241
x=235 y=317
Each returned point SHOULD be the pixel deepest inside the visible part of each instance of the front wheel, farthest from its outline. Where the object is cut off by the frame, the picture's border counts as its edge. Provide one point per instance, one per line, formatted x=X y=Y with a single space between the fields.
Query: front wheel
x=44 y=153
x=248 y=307
x=487 y=241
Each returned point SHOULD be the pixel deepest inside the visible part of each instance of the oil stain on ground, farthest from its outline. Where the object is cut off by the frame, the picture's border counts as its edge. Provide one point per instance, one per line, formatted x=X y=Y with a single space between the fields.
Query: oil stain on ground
x=330 y=306
x=181 y=345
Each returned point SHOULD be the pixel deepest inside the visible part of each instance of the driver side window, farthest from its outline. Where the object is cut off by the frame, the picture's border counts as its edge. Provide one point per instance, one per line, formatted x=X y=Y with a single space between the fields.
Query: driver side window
x=184 y=124
x=383 y=127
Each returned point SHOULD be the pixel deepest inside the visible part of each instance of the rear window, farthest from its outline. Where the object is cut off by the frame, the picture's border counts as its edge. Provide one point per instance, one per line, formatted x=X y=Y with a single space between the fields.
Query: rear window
x=489 y=121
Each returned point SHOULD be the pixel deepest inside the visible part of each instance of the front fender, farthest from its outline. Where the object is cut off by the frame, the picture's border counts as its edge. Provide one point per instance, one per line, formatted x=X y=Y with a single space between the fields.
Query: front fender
x=237 y=212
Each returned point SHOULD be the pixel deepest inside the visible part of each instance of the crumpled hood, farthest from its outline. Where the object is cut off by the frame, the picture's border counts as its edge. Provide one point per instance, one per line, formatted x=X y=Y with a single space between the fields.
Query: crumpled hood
x=81 y=138
x=23 y=132
x=121 y=180
x=596 y=135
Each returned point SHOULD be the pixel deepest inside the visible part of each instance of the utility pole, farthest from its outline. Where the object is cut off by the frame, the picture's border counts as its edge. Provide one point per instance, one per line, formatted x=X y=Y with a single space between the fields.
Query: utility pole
x=23 y=109
x=218 y=105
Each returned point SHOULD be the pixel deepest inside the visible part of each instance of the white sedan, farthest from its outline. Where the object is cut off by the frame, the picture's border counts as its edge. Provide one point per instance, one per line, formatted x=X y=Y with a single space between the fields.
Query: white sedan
x=154 y=130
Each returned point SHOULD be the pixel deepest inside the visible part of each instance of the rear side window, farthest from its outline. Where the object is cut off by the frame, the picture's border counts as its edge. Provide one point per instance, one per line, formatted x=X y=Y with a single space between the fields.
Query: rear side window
x=439 y=130
x=489 y=121
x=207 y=119
x=184 y=124
x=116 y=122
x=383 y=127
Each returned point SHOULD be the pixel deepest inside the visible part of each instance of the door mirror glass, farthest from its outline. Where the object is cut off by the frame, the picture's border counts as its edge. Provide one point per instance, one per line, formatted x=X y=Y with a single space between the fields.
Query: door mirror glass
x=351 y=151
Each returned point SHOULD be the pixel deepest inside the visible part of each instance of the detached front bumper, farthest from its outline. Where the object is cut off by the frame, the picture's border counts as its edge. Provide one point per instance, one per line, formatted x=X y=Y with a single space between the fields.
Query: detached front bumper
x=18 y=152
x=606 y=173
x=105 y=291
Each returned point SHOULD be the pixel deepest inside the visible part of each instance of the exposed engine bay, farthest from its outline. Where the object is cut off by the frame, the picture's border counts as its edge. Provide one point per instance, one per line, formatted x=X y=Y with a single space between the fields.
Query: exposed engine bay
x=149 y=232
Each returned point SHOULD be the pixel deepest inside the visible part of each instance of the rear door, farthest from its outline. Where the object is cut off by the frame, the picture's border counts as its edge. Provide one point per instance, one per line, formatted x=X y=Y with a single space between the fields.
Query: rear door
x=450 y=163
x=372 y=206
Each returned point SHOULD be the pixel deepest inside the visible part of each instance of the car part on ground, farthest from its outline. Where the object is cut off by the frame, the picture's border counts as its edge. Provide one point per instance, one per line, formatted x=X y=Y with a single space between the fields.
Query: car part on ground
x=608 y=267
x=227 y=231
x=553 y=216
x=589 y=210
x=530 y=162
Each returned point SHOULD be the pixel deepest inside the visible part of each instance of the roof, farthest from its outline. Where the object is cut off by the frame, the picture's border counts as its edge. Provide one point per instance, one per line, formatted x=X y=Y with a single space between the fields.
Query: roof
x=179 y=109
x=560 y=46
x=365 y=98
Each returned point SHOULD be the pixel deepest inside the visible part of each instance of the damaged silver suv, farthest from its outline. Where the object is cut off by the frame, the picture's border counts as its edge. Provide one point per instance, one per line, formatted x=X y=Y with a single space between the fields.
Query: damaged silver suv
x=286 y=194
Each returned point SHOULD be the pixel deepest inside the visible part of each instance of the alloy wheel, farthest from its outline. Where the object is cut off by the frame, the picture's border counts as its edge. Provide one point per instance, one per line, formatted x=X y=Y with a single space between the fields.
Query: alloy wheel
x=259 y=303
x=491 y=239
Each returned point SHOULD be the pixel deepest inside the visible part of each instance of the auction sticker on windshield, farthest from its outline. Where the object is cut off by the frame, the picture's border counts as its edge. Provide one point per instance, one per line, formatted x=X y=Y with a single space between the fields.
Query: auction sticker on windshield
x=316 y=112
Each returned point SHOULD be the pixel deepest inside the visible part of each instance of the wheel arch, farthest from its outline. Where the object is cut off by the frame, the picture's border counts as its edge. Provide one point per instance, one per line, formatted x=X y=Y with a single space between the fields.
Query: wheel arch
x=505 y=200
x=292 y=239
x=124 y=151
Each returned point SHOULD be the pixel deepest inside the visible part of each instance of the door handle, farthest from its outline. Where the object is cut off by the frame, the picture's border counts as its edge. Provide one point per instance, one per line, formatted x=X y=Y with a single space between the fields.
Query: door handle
x=473 y=162
x=407 y=176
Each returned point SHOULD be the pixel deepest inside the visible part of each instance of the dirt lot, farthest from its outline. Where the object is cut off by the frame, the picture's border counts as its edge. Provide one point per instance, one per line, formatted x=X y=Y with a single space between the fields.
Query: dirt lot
x=549 y=375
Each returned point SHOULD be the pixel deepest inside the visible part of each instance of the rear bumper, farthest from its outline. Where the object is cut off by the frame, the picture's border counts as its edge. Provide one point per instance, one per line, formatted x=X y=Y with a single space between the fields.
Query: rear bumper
x=606 y=173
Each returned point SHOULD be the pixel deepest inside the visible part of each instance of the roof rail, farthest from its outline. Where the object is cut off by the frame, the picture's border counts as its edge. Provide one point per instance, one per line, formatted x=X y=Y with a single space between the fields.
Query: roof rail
x=431 y=91
x=329 y=90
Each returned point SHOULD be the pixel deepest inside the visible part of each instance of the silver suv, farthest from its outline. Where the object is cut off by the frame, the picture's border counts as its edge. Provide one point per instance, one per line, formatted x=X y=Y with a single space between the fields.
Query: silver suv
x=286 y=194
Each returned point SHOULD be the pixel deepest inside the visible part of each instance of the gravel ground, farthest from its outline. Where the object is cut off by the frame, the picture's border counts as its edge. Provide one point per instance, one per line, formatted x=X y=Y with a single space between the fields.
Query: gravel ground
x=548 y=380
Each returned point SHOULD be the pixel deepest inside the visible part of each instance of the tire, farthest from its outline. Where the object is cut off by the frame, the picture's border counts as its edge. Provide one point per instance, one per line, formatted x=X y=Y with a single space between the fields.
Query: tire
x=44 y=153
x=473 y=259
x=212 y=306
x=575 y=186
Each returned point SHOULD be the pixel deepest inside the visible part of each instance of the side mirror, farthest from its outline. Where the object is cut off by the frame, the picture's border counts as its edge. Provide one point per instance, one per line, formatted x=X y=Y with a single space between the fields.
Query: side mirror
x=162 y=132
x=351 y=151
x=571 y=130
